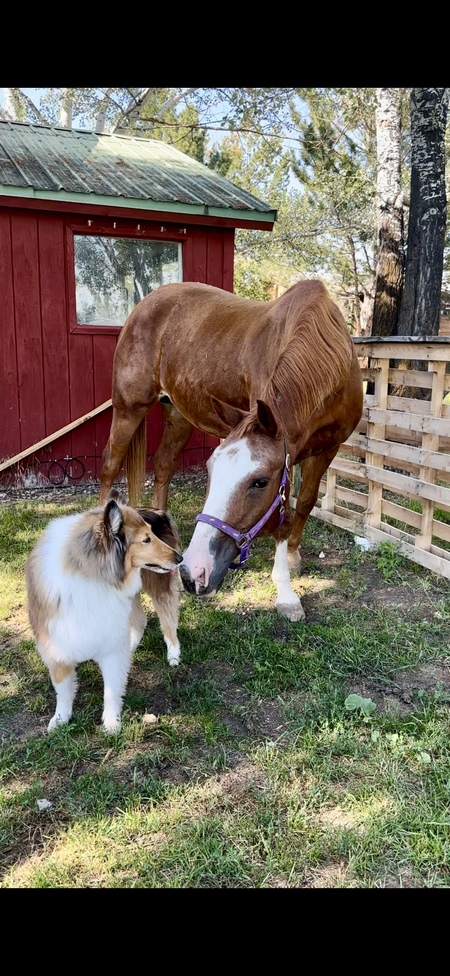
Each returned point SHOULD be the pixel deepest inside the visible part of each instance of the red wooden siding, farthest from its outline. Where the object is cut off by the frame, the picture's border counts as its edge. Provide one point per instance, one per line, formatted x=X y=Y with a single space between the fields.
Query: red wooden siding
x=55 y=351
x=208 y=255
x=30 y=373
x=51 y=376
x=10 y=426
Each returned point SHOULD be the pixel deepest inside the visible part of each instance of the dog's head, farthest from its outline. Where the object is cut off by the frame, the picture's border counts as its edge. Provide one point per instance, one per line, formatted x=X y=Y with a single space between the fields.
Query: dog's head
x=117 y=539
x=151 y=541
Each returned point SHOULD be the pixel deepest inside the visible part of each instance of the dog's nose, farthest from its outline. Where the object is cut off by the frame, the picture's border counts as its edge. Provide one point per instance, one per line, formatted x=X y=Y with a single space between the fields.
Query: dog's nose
x=178 y=558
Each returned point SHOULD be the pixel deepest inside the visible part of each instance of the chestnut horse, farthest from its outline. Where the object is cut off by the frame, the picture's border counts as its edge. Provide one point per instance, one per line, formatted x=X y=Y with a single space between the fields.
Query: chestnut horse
x=279 y=381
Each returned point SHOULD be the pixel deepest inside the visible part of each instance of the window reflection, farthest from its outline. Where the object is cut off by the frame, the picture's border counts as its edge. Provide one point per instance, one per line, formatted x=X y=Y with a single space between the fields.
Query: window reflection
x=112 y=274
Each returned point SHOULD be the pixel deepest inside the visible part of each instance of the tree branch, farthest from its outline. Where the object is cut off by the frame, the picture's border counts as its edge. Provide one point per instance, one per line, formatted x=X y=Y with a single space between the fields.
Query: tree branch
x=17 y=93
x=246 y=130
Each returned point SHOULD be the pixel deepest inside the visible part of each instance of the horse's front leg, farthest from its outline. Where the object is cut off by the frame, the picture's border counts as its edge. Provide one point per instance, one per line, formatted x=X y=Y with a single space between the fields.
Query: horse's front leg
x=287 y=602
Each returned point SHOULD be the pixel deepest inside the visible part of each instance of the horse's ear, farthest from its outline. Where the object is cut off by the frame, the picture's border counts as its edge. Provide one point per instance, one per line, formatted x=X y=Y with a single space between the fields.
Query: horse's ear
x=230 y=416
x=266 y=419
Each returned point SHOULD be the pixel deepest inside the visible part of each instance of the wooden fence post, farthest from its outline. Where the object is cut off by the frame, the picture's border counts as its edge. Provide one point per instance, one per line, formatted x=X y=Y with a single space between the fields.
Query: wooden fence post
x=376 y=430
x=430 y=442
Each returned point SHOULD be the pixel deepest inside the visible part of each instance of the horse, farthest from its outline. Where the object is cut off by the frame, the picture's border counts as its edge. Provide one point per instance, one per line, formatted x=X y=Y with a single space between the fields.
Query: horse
x=278 y=381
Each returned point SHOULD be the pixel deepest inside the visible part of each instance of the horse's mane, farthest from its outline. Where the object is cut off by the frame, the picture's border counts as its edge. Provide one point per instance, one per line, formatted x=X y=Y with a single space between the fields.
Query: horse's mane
x=316 y=358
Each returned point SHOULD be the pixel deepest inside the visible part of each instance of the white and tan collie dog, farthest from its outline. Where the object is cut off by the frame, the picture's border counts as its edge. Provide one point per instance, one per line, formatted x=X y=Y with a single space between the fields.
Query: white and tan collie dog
x=84 y=578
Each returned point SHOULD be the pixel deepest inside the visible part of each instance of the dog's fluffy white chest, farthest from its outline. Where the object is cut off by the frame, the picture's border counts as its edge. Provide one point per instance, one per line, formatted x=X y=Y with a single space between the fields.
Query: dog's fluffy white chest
x=92 y=617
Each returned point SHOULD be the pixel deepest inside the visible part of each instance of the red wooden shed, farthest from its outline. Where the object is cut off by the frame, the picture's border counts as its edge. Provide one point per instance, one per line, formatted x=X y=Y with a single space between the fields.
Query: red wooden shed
x=89 y=224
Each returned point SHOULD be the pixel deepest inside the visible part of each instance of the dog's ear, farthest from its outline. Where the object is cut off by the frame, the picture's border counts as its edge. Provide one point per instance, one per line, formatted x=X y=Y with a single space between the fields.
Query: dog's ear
x=117 y=495
x=112 y=518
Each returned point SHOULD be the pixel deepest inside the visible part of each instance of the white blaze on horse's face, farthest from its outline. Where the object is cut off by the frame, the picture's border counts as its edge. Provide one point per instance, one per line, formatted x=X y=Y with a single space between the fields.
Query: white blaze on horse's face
x=228 y=466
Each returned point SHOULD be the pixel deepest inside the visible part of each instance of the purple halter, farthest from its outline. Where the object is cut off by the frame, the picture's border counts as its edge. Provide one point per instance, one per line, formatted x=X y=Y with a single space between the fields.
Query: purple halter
x=244 y=540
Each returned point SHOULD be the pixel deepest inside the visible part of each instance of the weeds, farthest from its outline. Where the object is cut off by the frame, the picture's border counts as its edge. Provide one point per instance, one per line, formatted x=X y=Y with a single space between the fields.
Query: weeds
x=389 y=559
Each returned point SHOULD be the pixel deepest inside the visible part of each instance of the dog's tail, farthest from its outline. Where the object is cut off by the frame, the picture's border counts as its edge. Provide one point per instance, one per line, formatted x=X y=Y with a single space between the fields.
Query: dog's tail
x=135 y=464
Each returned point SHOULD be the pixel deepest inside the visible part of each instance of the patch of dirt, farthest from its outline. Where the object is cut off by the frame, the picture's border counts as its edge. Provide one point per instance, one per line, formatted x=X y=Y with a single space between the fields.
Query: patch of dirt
x=263 y=720
x=21 y=725
x=400 y=697
x=407 y=600
x=331 y=875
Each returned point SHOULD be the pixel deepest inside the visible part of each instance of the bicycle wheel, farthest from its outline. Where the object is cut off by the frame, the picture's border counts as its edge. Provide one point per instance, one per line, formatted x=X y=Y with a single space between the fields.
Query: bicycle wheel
x=56 y=473
x=75 y=469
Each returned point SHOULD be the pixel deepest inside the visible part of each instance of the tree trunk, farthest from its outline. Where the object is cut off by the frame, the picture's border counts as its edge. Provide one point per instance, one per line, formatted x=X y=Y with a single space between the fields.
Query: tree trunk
x=12 y=104
x=101 y=116
x=390 y=260
x=65 y=115
x=421 y=299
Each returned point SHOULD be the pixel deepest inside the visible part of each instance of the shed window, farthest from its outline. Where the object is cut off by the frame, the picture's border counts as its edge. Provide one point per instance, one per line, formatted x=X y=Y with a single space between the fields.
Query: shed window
x=112 y=274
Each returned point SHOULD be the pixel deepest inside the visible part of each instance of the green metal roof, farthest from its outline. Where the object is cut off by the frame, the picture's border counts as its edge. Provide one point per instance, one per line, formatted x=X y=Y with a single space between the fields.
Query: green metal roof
x=78 y=166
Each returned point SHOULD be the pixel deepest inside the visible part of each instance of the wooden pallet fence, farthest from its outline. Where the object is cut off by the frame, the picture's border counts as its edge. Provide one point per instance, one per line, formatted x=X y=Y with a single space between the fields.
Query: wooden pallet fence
x=390 y=481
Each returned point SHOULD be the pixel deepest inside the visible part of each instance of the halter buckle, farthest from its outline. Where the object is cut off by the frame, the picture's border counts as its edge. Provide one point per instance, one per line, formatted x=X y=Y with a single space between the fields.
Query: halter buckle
x=240 y=542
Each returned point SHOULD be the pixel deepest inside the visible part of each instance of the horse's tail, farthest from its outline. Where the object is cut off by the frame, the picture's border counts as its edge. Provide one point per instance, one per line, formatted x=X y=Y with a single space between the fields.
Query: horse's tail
x=135 y=464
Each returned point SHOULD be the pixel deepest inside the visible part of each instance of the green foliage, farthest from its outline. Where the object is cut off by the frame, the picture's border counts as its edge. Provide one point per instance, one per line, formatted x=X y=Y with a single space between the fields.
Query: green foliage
x=336 y=165
x=389 y=559
x=248 y=280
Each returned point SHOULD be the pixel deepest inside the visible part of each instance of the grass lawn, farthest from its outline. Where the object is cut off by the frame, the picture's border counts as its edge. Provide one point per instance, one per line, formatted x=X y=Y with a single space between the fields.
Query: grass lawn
x=277 y=755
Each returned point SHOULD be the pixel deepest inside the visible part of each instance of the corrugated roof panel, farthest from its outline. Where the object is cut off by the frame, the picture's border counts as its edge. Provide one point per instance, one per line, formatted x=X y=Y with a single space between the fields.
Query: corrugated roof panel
x=47 y=158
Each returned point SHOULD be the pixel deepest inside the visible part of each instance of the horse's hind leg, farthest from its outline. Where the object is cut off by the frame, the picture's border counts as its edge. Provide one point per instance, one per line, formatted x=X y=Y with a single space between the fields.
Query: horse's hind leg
x=177 y=432
x=125 y=423
x=312 y=469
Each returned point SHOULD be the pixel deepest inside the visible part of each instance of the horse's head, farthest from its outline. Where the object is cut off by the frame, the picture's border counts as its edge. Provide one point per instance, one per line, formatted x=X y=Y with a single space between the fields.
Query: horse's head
x=247 y=495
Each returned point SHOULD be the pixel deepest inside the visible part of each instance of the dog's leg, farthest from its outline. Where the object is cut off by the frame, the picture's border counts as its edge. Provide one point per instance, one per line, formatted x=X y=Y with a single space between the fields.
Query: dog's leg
x=166 y=604
x=65 y=684
x=115 y=669
x=138 y=622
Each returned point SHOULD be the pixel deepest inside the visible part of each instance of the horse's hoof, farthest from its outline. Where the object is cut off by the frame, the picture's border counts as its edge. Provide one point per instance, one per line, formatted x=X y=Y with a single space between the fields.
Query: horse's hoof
x=294 y=560
x=292 y=611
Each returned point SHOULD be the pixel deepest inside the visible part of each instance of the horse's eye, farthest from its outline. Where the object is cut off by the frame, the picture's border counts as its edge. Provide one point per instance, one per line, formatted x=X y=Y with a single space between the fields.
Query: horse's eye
x=260 y=483
x=147 y=539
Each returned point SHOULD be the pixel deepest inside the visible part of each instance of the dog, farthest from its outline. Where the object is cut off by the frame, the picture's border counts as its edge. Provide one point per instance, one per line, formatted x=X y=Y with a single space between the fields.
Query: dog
x=84 y=579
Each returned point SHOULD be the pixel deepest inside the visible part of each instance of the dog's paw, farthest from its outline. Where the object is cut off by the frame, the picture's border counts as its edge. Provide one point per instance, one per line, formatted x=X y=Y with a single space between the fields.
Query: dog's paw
x=111 y=725
x=56 y=721
x=173 y=658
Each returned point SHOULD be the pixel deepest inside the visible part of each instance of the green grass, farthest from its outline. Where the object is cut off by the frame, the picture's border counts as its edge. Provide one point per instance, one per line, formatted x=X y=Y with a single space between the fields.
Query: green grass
x=311 y=754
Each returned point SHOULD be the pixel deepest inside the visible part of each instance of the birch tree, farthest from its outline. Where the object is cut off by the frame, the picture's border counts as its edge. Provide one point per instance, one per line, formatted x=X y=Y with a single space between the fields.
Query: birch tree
x=390 y=237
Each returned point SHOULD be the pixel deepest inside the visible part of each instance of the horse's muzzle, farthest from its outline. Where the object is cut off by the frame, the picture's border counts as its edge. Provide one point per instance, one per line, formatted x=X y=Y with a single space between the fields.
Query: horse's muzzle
x=223 y=554
x=195 y=586
x=192 y=586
